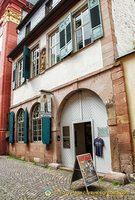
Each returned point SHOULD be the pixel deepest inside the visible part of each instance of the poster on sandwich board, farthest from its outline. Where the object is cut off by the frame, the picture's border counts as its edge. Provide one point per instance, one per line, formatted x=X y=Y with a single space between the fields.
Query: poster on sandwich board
x=84 y=168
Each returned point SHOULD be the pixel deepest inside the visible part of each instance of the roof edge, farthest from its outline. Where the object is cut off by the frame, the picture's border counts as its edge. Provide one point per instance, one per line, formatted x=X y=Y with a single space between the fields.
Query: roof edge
x=127 y=54
x=30 y=13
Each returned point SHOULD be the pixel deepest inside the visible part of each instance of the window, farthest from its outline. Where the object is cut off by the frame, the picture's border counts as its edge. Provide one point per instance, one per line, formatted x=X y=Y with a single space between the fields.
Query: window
x=66 y=137
x=14 y=66
x=48 y=7
x=20 y=126
x=66 y=39
x=36 y=123
x=82 y=29
x=20 y=72
x=28 y=28
x=35 y=62
x=54 y=48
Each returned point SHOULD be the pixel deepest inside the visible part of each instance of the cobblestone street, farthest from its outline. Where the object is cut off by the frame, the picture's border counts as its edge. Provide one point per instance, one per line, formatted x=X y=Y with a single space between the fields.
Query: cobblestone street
x=22 y=180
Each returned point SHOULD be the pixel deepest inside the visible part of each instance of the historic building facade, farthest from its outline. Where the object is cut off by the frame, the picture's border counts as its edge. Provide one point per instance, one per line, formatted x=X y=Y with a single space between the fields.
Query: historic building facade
x=67 y=88
x=10 y=17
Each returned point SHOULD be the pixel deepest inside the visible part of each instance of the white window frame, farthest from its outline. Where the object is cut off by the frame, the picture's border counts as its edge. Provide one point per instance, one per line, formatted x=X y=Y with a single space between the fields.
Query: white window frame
x=20 y=73
x=54 y=46
x=36 y=71
x=76 y=14
x=37 y=118
x=20 y=126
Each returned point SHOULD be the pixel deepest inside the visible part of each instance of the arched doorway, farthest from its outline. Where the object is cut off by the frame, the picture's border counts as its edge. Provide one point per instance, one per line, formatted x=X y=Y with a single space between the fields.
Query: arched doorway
x=83 y=118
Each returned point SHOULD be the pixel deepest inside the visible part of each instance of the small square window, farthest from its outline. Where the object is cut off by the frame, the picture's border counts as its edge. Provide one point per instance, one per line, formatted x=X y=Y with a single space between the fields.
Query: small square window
x=48 y=7
x=66 y=137
x=28 y=28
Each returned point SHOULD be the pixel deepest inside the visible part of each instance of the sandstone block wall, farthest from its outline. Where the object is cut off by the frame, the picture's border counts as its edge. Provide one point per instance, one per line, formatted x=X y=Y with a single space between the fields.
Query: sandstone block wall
x=124 y=23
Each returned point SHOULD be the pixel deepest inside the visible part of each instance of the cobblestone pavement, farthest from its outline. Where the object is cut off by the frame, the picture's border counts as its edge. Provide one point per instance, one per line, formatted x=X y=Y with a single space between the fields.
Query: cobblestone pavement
x=24 y=181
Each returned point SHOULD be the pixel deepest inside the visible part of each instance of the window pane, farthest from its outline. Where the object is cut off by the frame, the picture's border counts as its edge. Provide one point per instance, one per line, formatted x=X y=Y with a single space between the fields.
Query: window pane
x=27 y=29
x=52 y=56
x=62 y=38
x=37 y=67
x=55 y=49
x=78 y=21
x=36 y=124
x=20 y=125
x=86 y=17
x=79 y=39
x=37 y=52
x=57 y=37
x=57 y=53
x=95 y=19
x=35 y=62
x=87 y=37
x=20 y=71
x=53 y=40
x=68 y=32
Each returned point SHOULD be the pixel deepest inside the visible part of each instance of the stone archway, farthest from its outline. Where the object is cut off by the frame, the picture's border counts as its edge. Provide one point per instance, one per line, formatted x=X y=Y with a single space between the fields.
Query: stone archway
x=84 y=106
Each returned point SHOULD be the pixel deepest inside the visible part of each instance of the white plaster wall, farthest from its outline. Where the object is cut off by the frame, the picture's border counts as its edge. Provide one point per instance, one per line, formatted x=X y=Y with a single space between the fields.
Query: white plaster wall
x=124 y=22
x=78 y=65
x=38 y=16
x=21 y=35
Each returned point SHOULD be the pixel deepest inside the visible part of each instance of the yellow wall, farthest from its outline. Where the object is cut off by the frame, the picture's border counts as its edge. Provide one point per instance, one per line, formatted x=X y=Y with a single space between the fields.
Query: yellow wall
x=129 y=72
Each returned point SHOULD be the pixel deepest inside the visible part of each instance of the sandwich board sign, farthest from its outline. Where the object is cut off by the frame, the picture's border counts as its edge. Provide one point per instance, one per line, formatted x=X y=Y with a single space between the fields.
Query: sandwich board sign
x=84 y=168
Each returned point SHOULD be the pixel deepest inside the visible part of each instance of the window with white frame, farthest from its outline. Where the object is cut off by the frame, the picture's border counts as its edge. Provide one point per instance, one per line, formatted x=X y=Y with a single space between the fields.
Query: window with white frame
x=54 y=48
x=36 y=124
x=82 y=28
x=35 y=62
x=20 y=126
x=20 y=72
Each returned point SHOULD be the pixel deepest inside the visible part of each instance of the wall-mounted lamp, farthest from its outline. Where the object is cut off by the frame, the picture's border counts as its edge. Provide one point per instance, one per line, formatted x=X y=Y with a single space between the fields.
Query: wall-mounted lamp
x=109 y=103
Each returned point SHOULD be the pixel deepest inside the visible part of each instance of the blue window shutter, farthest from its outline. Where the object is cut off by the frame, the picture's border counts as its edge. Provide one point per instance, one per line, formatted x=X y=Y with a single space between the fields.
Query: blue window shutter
x=96 y=20
x=23 y=79
x=66 y=36
x=26 y=62
x=26 y=125
x=14 y=76
x=46 y=130
x=69 y=34
x=62 y=39
x=11 y=128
